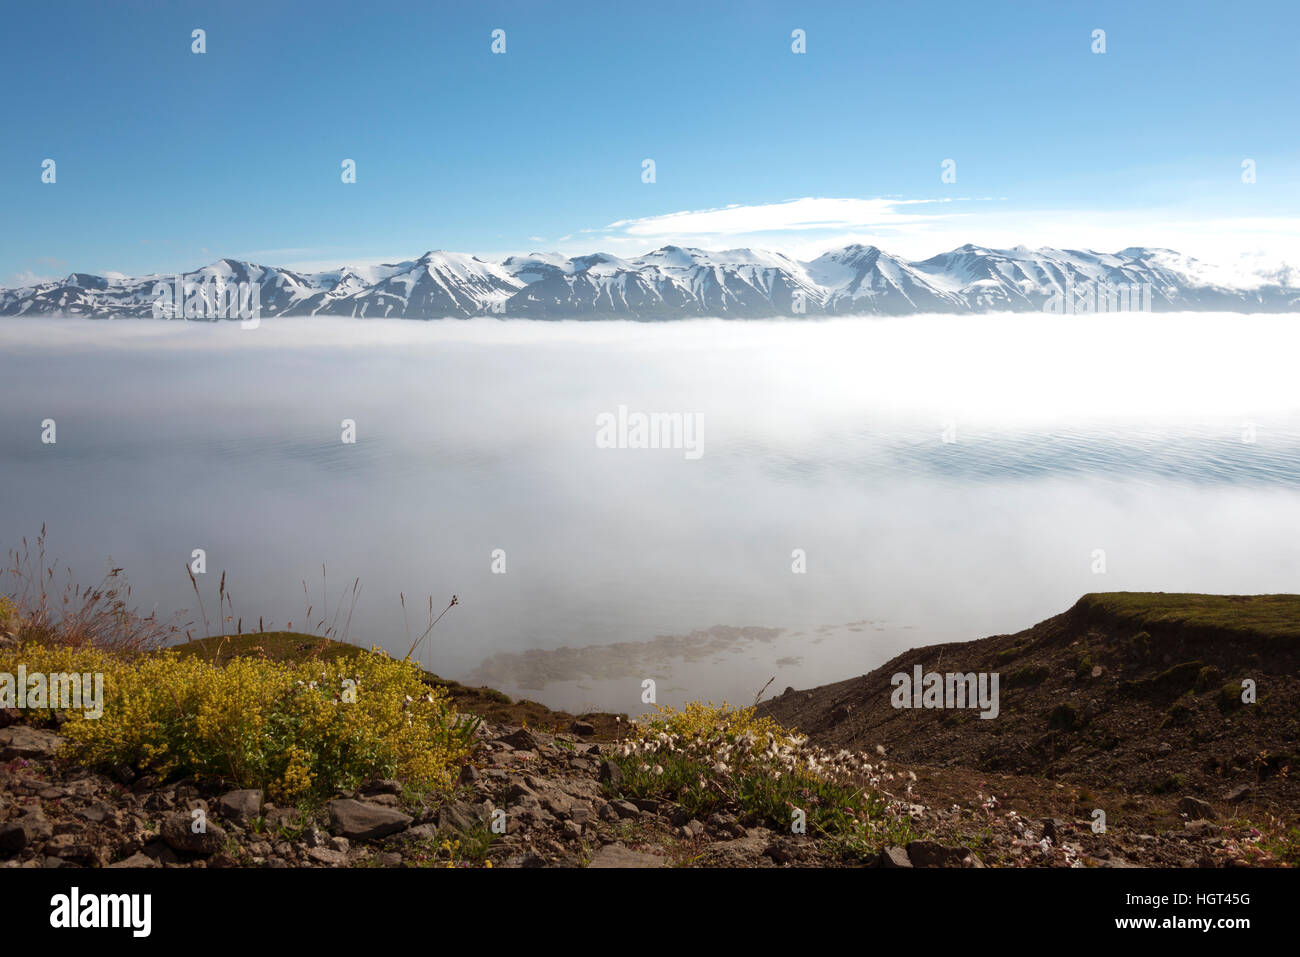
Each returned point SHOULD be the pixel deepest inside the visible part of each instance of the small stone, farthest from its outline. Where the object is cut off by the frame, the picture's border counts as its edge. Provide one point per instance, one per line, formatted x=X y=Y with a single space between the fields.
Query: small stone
x=327 y=856
x=625 y=809
x=241 y=806
x=178 y=831
x=612 y=775
x=138 y=859
x=461 y=816
x=1196 y=809
x=522 y=740
x=32 y=828
x=20 y=741
x=361 y=821
x=583 y=729
x=616 y=855
x=161 y=853
x=894 y=856
x=934 y=854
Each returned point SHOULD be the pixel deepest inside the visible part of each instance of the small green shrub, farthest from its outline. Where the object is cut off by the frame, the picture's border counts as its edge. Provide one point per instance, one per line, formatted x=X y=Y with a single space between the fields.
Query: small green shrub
x=1028 y=676
x=1207 y=678
x=1177 y=716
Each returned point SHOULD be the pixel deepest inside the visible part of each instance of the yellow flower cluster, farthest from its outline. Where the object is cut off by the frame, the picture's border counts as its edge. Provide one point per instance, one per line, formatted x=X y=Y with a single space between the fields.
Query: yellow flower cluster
x=698 y=719
x=299 y=730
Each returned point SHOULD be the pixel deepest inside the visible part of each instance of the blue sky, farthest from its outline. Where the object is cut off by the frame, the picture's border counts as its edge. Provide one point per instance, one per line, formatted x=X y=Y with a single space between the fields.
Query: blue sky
x=168 y=160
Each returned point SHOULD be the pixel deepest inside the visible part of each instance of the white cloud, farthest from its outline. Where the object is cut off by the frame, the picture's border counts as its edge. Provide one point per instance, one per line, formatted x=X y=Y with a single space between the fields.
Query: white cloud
x=26 y=277
x=809 y=213
x=919 y=228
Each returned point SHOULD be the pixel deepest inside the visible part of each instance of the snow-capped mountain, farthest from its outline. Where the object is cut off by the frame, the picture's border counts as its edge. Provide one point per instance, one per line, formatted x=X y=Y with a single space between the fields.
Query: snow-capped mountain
x=676 y=282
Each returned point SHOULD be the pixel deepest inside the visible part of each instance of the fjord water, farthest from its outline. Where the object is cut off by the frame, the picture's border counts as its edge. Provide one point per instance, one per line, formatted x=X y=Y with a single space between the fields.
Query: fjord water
x=1170 y=442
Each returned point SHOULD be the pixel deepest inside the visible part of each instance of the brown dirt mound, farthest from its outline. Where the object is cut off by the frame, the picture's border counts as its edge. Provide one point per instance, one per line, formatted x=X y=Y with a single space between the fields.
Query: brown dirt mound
x=1139 y=691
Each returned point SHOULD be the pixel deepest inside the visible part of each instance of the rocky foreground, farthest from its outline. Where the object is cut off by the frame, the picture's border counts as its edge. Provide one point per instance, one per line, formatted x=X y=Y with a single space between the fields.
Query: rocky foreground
x=555 y=801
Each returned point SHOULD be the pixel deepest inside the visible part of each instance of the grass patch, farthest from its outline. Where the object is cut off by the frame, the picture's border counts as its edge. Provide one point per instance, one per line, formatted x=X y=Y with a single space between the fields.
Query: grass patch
x=1265 y=616
x=1170 y=683
x=1028 y=676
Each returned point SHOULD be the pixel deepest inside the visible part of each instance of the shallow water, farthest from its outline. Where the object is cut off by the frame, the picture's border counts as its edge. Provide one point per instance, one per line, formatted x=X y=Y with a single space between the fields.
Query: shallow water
x=1131 y=434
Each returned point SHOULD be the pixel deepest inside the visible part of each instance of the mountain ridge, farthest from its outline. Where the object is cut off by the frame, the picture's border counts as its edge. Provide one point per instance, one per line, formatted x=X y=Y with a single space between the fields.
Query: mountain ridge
x=675 y=282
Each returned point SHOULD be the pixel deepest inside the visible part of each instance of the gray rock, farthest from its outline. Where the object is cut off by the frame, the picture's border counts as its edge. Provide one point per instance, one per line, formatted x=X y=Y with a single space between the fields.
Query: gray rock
x=20 y=741
x=612 y=775
x=421 y=832
x=616 y=855
x=1196 y=809
x=138 y=859
x=522 y=740
x=327 y=856
x=160 y=852
x=31 y=828
x=625 y=809
x=178 y=831
x=288 y=818
x=359 y=821
x=894 y=856
x=783 y=850
x=742 y=852
x=461 y=816
x=241 y=806
x=934 y=854
x=1239 y=793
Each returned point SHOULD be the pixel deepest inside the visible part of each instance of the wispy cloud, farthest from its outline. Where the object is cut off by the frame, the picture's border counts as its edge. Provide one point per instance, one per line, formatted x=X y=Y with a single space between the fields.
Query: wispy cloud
x=917 y=228
x=809 y=213
x=26 y=277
